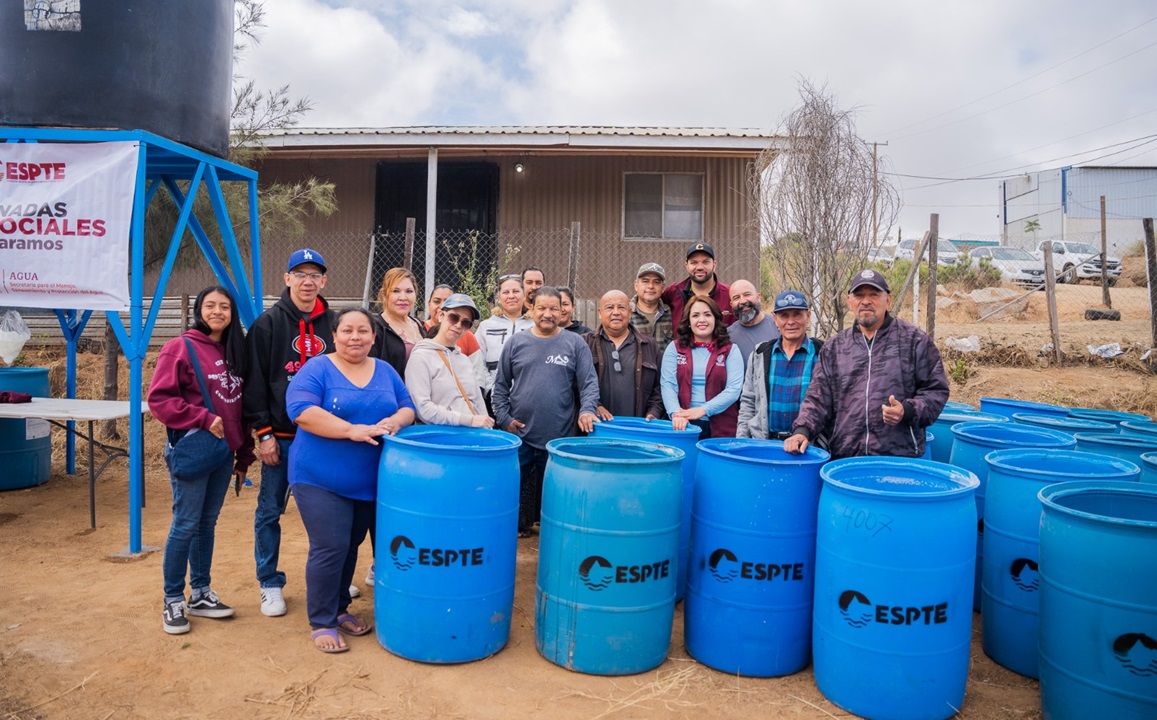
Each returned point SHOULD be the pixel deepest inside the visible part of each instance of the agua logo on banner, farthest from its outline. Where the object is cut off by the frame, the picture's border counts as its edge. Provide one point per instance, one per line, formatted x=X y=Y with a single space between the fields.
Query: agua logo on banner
x=65 y=223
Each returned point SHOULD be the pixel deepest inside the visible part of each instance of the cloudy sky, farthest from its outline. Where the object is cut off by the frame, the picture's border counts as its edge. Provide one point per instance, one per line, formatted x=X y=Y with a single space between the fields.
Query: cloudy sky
x=957 y=90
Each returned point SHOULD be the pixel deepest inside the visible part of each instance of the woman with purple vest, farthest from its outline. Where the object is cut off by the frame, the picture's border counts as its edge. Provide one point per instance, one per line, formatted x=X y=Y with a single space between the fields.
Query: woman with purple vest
x=702 y=378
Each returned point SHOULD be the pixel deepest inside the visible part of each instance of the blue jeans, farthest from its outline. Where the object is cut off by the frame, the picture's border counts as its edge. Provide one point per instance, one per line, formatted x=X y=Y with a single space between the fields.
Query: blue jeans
x=531 y=466
x=271 y=499
x=335 y=525
x=196 y=506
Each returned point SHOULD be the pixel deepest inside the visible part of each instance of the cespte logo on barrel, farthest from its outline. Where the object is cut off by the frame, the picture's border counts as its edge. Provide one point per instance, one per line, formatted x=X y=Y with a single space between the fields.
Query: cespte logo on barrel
x=1025 y=574
x=598 y=573
x=725 y=566
x=858 y=611
x=1137 y=653
x=405 y=554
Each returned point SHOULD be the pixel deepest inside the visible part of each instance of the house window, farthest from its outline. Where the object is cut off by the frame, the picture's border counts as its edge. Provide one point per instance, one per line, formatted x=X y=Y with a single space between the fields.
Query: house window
x=663 y=205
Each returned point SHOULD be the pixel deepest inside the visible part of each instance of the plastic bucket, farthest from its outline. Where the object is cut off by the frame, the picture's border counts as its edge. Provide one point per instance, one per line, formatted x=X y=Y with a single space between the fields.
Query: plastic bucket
x=941 y=444
x=608 y=554
x=1139 y=428
x=447 y=526
x=1126 y=447
x=1110 y=416
x=953 y=406
x=662 y=432
x=1098 y=618
x=748 y=606
x=1149 y=468
x=1010 y=580
x=1008 y=406
x=1070 y=425
x=893 y=595
x=25 y=445
x=974 y=441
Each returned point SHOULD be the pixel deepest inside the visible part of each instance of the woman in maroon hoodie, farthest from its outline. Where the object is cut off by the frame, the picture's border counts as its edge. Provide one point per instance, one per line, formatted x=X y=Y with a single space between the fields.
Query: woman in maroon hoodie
x=175 y=399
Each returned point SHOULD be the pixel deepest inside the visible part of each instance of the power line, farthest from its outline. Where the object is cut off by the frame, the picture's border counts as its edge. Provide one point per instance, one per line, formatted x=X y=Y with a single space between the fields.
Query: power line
x=1025 y=79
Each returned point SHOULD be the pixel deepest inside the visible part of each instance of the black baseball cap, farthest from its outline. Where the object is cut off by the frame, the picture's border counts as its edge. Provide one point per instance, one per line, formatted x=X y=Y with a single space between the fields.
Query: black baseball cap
x=870 y=277
x=700 y=247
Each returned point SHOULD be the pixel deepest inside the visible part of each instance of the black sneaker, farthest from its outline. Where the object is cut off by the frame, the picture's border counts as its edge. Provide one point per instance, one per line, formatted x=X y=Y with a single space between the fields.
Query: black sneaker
x=173 y=617
x=210 y=606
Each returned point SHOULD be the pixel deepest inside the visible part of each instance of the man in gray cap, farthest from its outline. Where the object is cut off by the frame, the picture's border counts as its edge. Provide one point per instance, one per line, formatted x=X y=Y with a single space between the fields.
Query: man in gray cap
x=649 y=314
x=779 y=371
x=876 y=385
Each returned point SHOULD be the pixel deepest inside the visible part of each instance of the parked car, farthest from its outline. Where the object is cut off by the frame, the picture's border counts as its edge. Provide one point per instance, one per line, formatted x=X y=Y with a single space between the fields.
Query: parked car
x=879 y=255
x=946 y=252
x=1074 y=261
x=1015 y=265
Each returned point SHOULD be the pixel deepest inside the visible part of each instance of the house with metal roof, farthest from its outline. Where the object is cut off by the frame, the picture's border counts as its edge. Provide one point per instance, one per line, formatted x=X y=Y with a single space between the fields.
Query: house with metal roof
x=588 y=205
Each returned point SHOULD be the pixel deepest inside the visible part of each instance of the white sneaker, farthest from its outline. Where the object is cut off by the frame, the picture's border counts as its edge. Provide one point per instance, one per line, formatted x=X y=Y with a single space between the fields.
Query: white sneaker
x=354 y=591
x=370 y=576
x=272 y=602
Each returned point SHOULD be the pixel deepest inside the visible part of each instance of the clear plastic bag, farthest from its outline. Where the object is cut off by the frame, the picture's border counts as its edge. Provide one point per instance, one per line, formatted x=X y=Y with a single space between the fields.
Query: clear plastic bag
x=13 y=334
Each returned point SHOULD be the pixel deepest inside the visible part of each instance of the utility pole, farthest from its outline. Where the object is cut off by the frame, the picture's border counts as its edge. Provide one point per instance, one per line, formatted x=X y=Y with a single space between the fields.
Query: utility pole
x=1105 y=299
x=875 y=191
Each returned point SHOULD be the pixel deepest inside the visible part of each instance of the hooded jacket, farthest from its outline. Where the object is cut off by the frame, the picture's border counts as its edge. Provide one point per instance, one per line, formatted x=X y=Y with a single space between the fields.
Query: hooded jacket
x=853 y=379
x=281 y=340
x=437 y=399
x=175 y=395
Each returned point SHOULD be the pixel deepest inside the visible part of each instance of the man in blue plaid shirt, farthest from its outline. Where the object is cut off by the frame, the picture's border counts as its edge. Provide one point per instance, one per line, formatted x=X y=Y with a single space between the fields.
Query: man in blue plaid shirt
x=779 y=372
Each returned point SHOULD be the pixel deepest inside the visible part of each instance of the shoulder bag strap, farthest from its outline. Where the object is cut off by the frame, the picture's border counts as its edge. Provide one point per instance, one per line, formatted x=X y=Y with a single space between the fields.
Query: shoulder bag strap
x=200 y=375
x=461 y=389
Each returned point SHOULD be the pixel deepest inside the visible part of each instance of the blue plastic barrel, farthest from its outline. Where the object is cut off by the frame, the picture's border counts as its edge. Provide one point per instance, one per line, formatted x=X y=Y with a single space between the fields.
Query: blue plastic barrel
x=1149 y=468
x=1008 y=406
x=895 y=560
x=975 y=440
x=748 y=607
x=25 y=445
x=1139 y=428
x=929 y=438
x=608 y=554
x=1070 y=425
x=1110 y=416
x=1126 y=447
x=953 y=406
x=1010 y=577
x=662 y=432
x=447 y=526
x=942 y=429
x=1098 y=618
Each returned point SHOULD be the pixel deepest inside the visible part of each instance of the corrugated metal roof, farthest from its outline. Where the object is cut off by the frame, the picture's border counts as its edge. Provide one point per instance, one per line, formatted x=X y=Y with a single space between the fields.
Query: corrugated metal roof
x=559 y=137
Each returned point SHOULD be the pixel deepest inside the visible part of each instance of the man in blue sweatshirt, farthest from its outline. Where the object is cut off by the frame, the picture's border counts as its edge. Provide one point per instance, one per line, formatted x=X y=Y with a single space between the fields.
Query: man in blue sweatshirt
x=545 y=377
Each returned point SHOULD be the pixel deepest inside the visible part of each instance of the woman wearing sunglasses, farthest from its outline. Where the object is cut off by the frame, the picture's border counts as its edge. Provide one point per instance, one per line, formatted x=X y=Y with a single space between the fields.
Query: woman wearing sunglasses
x=441 y=378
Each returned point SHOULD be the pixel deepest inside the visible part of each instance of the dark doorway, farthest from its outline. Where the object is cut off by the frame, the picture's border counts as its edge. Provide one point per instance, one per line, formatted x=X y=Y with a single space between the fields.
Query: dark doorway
x=466 y=213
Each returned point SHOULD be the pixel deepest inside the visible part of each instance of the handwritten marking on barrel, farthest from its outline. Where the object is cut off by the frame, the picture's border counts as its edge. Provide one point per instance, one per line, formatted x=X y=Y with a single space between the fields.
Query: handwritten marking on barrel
x=873 y=523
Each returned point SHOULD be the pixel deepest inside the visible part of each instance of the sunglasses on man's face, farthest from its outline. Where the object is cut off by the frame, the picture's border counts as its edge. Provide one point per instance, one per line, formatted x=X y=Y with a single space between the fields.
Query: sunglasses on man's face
x=455 y=319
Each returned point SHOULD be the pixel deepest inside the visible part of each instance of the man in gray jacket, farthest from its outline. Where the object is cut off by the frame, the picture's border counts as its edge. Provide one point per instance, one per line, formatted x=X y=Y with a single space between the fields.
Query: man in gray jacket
x=876 y=385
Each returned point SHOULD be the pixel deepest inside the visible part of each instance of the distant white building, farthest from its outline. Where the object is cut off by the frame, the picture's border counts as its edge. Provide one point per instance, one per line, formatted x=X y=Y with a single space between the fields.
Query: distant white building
x=1067 y=203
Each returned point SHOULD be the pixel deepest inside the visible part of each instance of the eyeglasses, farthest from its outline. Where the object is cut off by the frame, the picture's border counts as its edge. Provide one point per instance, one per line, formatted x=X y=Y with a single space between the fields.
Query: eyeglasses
x=515 y=276
x=618 y=365
x=316 y=277
x=455 y=319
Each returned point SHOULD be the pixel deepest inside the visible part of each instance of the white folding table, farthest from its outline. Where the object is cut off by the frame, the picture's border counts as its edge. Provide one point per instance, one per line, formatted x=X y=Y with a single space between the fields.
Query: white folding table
x=61 y=410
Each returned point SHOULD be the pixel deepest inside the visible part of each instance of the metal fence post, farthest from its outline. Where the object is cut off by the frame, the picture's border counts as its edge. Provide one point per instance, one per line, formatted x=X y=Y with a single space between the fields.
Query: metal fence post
x=573 y=259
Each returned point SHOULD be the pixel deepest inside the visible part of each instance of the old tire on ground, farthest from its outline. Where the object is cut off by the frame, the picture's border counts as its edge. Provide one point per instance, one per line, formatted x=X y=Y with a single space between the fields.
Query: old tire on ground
x=1102 y=314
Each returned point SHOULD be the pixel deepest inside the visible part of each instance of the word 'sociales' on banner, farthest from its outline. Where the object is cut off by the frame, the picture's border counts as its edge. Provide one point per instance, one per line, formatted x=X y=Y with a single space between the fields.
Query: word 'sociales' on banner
x=65 y=222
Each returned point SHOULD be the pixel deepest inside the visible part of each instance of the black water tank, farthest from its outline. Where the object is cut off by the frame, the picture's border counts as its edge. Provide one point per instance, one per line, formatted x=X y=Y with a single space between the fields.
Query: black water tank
x=165 y=66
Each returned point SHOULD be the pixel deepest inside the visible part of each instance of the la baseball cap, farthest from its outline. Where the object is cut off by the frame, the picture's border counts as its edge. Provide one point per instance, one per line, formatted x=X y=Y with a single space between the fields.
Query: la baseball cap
x=303 y=256
x=652 y=268
x=870 y=277
x=700 y=247
x=790 y=300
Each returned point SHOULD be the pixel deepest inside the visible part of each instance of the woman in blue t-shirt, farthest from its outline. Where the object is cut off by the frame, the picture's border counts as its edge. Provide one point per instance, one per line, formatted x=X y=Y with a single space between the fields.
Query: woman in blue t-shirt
x=341 y=403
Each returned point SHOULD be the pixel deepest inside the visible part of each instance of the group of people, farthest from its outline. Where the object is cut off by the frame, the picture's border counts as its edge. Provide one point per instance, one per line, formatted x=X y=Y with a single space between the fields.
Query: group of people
x=314 y=385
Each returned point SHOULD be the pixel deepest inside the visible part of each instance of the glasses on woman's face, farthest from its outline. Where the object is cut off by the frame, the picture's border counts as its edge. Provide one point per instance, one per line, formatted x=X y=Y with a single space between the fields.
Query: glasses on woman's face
x=618 y=365
x=455 y=319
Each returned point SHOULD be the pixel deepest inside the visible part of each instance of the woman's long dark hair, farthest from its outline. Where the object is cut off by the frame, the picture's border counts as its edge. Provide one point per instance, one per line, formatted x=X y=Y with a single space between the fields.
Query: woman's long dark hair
x=232 y=337
x=685 y=339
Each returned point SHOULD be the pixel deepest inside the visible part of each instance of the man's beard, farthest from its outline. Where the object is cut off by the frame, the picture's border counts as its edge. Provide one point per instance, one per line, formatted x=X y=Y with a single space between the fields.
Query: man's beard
x=746 y=312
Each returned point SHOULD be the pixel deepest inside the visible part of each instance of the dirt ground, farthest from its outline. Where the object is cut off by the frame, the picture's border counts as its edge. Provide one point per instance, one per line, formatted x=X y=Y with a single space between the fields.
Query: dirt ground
x=80 y=632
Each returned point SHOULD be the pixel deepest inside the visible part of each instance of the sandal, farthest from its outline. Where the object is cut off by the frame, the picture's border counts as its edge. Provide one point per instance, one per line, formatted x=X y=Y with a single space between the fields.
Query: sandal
x=330 y=634
x=359 y=628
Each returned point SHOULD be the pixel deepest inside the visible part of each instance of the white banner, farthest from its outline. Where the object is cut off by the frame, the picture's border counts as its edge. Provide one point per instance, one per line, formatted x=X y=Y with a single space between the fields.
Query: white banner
x=65 y=222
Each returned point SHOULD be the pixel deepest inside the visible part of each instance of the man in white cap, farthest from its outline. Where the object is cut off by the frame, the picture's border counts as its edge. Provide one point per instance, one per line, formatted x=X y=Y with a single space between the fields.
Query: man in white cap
x=649 y=314
x=876 y=385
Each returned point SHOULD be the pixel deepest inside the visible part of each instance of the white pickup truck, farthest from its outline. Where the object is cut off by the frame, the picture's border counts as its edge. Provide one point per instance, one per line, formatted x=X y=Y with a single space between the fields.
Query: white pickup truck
x=1074 y=261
